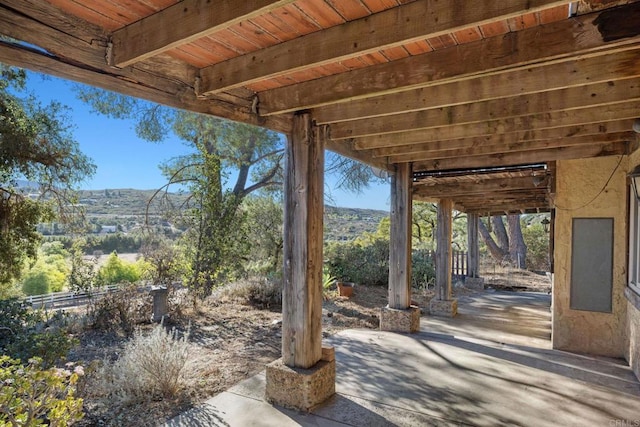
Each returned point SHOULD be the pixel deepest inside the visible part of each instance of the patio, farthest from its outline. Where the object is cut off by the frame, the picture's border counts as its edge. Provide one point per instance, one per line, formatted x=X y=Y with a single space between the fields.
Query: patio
x=491 y=365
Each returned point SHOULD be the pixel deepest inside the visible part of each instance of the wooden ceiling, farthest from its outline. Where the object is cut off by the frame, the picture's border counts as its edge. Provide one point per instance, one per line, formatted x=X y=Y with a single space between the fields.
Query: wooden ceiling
x=446 y=85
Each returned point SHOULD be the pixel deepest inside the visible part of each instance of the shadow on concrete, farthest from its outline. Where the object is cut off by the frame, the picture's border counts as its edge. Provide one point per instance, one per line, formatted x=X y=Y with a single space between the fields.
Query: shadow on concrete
x=201 y=416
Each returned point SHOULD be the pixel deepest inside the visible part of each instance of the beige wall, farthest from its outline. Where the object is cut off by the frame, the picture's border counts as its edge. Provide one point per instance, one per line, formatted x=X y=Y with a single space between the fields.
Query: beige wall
x=578 y=182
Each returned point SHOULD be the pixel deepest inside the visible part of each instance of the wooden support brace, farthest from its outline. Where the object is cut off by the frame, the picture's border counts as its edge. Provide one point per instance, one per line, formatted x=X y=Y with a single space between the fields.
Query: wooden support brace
x=303 y=228
x=400 y=244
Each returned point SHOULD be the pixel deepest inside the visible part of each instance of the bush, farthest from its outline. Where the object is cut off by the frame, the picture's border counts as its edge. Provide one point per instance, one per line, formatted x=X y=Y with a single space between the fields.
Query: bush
x=23 y=334
x=116 y=271
x=120 y=311
x=255 y=291
x=48 y=274
x=150 y=366
x=423 y=269
x=368 y=263
x=32 y=396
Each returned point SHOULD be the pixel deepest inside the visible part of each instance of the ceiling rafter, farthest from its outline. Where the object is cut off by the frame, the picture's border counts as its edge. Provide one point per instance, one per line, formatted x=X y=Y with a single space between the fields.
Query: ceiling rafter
x=387 y=29
x=180 y=24
x=520 y=51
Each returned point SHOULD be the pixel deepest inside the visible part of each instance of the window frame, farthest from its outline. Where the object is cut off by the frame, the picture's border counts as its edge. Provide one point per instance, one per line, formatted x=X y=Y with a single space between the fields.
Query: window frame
x=633 y=275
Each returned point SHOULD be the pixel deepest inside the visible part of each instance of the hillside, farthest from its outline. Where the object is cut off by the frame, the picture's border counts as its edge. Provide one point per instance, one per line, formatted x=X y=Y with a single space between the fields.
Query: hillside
x=126 y=208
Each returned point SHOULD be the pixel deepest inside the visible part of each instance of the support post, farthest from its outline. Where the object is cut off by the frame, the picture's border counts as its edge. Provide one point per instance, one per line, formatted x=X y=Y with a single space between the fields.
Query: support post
x=443 y=304
x=303 y=377
x=400 y=315
x=473 y=279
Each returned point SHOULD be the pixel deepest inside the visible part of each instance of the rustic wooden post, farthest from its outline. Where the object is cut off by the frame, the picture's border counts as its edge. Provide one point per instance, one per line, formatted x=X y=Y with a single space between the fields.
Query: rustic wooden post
x=400 y=315
x=305 y=375
x=473 y=279
x=443 y=304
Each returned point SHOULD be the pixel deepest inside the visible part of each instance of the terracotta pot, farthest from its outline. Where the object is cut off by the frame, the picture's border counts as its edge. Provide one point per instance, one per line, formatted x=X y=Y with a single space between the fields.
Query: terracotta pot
x=345 y=289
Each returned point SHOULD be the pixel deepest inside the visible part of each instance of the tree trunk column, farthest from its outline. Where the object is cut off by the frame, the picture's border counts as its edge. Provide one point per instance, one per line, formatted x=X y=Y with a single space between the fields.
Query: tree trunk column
x=473 y=279
x=400 y=315
x=443 y=304
x=305 y=375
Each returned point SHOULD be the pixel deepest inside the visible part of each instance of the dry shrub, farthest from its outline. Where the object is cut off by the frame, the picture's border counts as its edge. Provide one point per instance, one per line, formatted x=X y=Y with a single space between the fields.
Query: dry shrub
x=259 y=292
x=151 y=366
x=121 y=310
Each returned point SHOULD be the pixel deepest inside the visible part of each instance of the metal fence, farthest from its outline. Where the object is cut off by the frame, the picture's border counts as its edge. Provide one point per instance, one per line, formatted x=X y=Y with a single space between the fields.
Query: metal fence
x=67 y=299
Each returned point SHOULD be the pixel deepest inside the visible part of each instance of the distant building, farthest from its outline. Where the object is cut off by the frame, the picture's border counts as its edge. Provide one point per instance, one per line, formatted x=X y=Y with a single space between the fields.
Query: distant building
x=106 y=229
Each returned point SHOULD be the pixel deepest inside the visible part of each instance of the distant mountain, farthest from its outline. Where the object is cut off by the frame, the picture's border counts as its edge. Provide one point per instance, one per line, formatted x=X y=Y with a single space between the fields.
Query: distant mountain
x=125 y=207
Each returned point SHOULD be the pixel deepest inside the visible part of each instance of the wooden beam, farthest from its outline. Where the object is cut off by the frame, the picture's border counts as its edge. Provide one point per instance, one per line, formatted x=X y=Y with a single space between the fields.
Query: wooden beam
x=592 y=130
x=304 y=205
x=512 y=147
x=525 y=157
x=443 y=249
x=75 y=51
x=528 y=48
x=390 y=28
x=180 y=24
x=346 y=148
x=536 y=122
x=459 y=189
x=473 y=253
x=600 y=94
x=400 y=239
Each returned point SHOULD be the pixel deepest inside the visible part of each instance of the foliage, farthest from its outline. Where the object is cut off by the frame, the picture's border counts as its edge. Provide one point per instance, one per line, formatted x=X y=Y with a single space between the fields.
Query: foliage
x=163 y=259
x=32 y=396
x=120 y=311
x=537 y=241
x=367 y=262
x=150 y=366
x=215 y=242
x=36 y=145
x=363 y=263
x=264 y=223
x=117 y=270
x=256 y=291
x=23 y=334
x=50 y=271
x=423 y=269
x=83 y=276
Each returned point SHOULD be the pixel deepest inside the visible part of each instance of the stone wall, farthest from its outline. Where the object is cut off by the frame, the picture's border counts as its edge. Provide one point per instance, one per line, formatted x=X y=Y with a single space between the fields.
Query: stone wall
x=580 y=194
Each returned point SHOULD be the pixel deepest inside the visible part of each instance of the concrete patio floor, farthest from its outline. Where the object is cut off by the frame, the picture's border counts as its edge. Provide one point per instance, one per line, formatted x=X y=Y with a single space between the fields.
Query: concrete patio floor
x=492 y=365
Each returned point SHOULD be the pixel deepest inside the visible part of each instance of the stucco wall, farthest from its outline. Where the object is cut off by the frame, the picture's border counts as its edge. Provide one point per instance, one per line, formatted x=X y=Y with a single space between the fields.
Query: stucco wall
x=578 y=182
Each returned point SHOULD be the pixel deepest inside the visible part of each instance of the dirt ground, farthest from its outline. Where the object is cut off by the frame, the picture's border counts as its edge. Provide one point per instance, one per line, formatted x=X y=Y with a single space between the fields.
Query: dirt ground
x=233 y=341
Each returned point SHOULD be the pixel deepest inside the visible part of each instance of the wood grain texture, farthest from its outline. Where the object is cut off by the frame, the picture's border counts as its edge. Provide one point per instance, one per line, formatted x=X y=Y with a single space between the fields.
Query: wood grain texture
x=513 y=147
x=443 y=249
x=400 y=240
x=473 y=254
x=525 y=157
x=303 y=228
x=599 y=94
x=182 y=23
x=368 y=35
x=421 y=141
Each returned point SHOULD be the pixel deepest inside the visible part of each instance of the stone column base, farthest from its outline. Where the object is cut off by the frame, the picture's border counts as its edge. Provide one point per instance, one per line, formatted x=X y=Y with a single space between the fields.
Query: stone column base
x=444 y=308
x=299 y=388
x=476 y=283
x=398 y=320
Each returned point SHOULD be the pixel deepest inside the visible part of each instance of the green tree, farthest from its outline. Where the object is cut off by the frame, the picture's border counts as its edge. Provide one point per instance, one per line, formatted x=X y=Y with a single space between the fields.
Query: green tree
x=229 y=161
x=36 y=145
x=264 y=223
x=116 y=271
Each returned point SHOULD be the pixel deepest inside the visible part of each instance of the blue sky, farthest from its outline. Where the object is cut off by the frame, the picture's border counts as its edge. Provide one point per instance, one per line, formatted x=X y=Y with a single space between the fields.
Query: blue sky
x=126 y=161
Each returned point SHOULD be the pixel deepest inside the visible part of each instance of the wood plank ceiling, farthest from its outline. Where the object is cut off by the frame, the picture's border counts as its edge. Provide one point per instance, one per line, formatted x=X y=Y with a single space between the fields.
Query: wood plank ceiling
x=464 y=90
